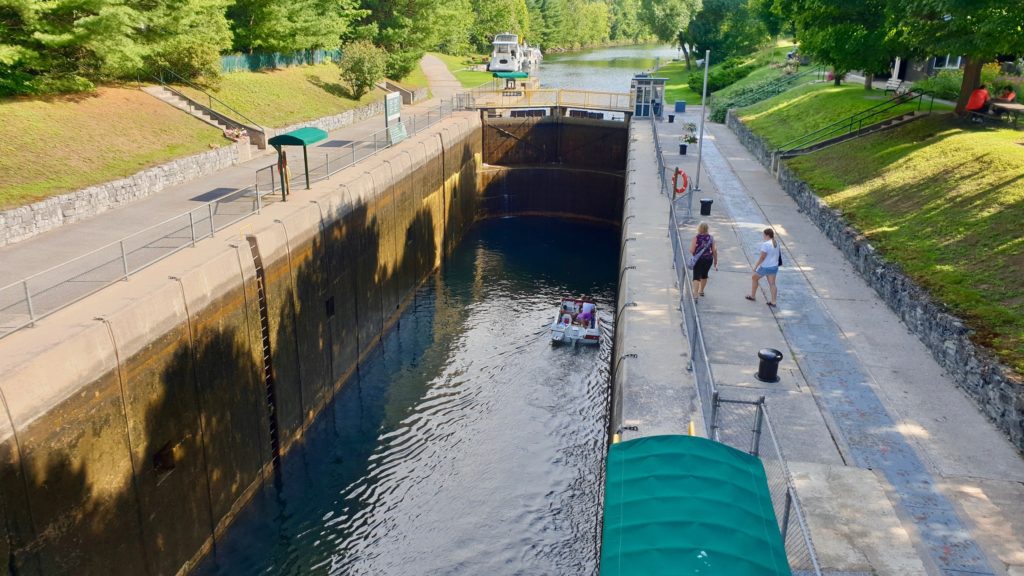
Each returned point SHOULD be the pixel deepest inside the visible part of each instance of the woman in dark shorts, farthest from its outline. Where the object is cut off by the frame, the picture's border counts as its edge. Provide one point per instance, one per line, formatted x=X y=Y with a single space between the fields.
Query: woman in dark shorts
x=704 y=245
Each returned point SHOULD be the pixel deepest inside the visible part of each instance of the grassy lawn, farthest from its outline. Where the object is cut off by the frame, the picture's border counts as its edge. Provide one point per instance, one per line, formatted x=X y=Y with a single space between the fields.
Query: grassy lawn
x=281 y=97
x=415 y=79
x=809 y=107
x=677 y=74
x=458 y=66
x=54 y=145
x=676 y=87
x=944 y=200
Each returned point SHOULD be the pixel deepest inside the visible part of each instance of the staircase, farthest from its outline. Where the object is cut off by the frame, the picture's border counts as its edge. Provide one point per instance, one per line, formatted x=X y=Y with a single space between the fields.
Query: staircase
x=889 y=124
x=882 y=116
x=214 y=112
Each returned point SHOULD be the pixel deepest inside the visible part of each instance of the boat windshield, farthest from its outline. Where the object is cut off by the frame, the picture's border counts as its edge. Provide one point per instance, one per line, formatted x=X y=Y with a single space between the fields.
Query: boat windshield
x=502 y=48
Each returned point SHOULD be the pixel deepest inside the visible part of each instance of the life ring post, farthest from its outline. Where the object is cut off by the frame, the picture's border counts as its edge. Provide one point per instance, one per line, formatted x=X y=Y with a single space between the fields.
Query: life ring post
x=680 y=182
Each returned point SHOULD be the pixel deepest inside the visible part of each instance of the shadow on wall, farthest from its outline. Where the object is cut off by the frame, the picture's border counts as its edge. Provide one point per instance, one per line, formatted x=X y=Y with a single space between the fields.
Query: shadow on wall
x=138 y=470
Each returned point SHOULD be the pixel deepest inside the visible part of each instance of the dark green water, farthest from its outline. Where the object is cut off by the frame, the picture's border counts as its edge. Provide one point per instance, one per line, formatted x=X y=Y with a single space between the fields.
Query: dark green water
x=601 y=69
x=466 y=444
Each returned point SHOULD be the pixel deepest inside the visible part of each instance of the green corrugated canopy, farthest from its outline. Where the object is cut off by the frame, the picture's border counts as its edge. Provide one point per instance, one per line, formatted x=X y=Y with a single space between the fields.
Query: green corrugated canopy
x=300 y=137
x=512 y=75
x=688 y=505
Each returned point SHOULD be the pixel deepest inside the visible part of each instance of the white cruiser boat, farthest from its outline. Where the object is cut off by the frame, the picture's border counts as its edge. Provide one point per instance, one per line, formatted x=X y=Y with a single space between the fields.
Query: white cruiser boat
x=531 y=57
x=506 y=55
x=576 y=322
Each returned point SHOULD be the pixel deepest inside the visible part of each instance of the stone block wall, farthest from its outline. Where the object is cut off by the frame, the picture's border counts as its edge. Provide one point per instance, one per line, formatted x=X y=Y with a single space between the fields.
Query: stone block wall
x=24 y=222
x=987 y=381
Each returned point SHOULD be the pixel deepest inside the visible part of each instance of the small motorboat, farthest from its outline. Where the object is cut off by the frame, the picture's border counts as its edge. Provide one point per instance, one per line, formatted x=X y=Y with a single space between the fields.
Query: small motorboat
x=576 y=321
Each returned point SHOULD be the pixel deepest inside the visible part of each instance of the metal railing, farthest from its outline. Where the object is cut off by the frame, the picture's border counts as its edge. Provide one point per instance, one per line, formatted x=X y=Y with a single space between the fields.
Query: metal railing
x=547 y=98
x=210 y=98
x=856 y=122
x=26 y=301
x=741 y=424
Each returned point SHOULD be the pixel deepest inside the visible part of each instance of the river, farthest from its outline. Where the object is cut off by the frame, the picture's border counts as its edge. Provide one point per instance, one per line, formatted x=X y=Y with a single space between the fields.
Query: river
x=467 y=443
x=602 y=69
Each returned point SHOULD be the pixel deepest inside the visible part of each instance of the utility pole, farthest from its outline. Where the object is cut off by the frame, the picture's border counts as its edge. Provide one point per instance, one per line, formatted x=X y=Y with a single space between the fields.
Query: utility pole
x=700 y=140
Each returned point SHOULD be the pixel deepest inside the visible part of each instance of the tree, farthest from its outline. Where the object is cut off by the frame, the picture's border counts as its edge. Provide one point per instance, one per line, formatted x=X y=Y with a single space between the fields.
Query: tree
x=625 y=21
x=497 y=16
x=187 y=36
x=727 y=28
x=362 y=65
x=451 y=27
x=979 y=30
x=665 y=18
x=846 y=35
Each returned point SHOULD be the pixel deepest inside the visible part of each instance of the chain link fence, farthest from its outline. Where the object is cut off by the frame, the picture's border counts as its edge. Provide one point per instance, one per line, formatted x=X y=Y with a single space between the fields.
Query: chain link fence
x=26 y=301
x=743 y=424
x=264 y=60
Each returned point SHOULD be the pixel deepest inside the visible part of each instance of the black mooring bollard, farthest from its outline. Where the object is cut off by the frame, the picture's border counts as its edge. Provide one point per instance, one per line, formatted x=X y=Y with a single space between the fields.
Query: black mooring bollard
x=768 y=368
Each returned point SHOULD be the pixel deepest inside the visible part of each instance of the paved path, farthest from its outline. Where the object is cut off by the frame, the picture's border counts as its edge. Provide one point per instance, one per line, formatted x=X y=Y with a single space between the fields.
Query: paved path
x=857 y=390
x=61 y=244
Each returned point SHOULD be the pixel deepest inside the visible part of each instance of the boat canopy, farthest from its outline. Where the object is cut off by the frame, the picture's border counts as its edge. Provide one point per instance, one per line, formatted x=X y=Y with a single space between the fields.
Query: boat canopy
x=688 y=505
x=511 y=75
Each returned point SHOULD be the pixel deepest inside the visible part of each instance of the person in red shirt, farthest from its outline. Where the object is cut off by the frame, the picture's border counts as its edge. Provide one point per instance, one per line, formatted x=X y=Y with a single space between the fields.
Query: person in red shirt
x=1006 y=94
x=979 y=100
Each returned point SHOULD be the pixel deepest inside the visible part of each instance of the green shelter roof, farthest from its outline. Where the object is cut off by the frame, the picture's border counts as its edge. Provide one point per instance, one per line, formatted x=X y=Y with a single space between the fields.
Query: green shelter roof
x=300 y=137
x=688 y=505
x=507 y=75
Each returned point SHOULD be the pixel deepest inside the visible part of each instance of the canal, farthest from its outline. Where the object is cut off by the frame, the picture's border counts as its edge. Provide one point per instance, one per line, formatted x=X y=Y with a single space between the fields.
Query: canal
x=466 y=443
x=602 y=69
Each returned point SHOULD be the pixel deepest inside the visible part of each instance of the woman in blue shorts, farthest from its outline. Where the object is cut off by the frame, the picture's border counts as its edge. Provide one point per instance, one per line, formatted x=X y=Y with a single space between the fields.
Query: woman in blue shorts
x=767 y=266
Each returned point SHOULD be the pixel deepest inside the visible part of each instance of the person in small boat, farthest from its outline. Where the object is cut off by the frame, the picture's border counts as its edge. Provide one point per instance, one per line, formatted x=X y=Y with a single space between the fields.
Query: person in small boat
x=588 y=314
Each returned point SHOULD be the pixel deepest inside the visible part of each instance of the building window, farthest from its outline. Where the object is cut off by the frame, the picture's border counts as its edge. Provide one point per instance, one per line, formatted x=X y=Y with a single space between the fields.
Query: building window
x=947 y=61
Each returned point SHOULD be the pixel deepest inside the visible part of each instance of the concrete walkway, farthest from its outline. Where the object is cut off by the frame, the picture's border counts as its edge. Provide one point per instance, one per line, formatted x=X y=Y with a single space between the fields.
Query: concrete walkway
x=900 y=473
x=23 y=259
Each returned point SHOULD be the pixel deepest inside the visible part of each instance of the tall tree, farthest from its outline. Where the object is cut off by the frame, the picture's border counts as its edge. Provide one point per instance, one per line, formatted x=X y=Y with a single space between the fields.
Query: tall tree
x=625 y=21
x=846 y=35
x=978 y=29
x=497 y=16
x=665 y=18
x=727 y=28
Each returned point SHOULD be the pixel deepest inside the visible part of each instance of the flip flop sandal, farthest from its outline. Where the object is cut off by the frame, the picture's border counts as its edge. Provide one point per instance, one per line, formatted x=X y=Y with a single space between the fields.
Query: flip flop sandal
x=770 y=305
x=751 y=299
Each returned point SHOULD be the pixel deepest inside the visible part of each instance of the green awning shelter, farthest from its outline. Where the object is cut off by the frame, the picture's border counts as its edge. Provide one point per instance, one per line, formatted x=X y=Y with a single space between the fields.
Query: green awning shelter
x=688 y=505
x=301 y=137
x=511 y=75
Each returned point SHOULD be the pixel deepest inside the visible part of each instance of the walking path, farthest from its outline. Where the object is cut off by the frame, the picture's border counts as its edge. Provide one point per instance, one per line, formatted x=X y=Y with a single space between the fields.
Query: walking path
x=861 y=401
x=41 y=252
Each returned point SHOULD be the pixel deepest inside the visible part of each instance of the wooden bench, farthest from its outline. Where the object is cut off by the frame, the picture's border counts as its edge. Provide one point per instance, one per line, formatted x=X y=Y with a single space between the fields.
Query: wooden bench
x=893 y=85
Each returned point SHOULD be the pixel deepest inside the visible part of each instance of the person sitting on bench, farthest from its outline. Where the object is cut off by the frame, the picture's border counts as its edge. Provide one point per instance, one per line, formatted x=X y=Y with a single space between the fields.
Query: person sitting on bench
x=1006 y=95
x=979 y=101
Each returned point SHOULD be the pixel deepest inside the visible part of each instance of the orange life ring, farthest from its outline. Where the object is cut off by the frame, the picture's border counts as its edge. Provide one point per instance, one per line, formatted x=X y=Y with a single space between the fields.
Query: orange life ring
x=675 y=182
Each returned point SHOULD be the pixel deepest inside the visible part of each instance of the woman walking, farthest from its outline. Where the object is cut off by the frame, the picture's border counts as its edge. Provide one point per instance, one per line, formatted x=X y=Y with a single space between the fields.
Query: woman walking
x=703 y=248
x=767 y=266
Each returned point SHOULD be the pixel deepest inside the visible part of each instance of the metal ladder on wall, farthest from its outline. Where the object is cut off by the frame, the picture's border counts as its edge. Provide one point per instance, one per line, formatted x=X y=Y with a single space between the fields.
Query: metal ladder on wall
x=269 y=385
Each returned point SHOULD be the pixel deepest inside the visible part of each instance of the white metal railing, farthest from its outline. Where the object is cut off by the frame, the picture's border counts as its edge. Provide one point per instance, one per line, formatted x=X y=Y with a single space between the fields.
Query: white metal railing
x=26 y=301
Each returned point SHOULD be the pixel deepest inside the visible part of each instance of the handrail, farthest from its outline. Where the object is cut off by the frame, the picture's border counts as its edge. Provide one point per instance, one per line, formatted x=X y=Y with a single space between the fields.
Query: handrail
x=251 y=123
x=846 y=125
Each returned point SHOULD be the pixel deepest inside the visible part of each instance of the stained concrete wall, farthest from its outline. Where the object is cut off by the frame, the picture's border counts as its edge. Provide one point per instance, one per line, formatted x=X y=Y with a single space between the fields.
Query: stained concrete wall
x=553 y=166
x=128 y=443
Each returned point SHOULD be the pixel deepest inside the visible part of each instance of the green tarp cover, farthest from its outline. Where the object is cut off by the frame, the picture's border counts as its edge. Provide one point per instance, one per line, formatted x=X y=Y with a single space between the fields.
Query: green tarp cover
x=688 y=505
x=300 y=137
x=507 y=75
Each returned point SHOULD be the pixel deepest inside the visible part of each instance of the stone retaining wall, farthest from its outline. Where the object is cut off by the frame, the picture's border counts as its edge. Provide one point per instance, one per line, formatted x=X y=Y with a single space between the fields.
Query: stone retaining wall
x=987 y=381
x=24 y=222
x=346 y=118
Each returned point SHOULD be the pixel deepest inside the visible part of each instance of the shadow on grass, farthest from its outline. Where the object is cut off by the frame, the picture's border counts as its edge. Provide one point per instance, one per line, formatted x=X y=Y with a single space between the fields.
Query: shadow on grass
x=332 y=88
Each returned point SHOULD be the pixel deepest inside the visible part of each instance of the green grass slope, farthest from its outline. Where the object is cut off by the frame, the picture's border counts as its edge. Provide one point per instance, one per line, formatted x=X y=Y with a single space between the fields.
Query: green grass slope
x=944 y=200
x=807 y=108
x=55 y=145
x=278 y=98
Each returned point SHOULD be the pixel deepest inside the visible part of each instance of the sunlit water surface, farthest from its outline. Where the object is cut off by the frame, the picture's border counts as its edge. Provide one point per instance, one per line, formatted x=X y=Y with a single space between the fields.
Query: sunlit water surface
x=467 y=443
x=601 y=69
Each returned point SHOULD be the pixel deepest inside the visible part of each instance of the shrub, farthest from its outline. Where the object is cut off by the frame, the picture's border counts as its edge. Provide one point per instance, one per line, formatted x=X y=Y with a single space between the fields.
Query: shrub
x=946 y=84
x=720 y=78
x=362 y=65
